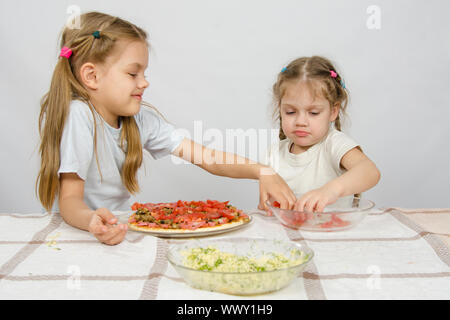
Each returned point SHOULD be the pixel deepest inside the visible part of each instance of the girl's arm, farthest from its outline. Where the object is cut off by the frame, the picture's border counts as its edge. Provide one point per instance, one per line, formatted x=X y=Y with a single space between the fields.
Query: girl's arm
x=361 y=175
x=231 y=165
x=75 y=212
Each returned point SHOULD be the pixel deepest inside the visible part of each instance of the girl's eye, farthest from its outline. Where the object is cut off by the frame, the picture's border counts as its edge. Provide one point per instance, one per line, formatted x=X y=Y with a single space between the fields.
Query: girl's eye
x=290 y=112
x=133 y=74
x=314 y=113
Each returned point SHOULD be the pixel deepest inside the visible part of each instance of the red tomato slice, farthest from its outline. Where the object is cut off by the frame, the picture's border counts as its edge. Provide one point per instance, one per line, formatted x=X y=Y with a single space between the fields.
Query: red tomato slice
x=338 y=222
x=299 y=218
x=228 y=215
x=200 y=209
x=293 y=219
x=197 y=216
x=180 y=203
x=219 y=205
x=179 y=219
x=223 y=220
x=149 y=206
x=213 y=215
x=328 y=224
x=276 y=204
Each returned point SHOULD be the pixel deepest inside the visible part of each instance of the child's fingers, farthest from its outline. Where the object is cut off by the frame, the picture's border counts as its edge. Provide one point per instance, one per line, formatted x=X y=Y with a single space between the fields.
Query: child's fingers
x=110 y=234
x=99 y=230
x=290 y=198
x=97 y=227
x=286 y=201
x=106 y=215
x=117 y=236
x=301 y=203
x=298 y=206
x=307 y=207
x=263 y=196
x=310 y=205
x=285 y=198
x=121 y=235
x=275 y=187
x=284 y=204
x=321 y=204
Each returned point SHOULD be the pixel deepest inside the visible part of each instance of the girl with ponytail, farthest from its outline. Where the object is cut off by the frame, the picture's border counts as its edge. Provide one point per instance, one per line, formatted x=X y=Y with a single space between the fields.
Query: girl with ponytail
x=319 y=162
x=94 y=126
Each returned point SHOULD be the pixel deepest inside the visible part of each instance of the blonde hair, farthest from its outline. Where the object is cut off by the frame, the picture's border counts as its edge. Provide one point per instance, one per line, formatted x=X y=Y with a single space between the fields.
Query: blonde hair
x=316 y=71
x=65 y=87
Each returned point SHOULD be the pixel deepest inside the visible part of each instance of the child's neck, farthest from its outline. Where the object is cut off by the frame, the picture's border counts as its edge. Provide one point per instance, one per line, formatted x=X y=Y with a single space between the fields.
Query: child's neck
x=110 y=118
x=295 y=149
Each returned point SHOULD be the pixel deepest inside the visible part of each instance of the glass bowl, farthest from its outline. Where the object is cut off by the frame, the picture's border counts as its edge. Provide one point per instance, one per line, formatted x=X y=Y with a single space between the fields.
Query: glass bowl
x=342 y=215
x=239 y=278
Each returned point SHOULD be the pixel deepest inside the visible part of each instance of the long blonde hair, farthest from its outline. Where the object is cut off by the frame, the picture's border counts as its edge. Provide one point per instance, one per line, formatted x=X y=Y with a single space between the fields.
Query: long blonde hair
x=315 y=71
x=65 y=87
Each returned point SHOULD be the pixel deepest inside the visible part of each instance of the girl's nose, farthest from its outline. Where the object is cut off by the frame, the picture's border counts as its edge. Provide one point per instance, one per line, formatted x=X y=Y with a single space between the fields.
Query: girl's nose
x=143 y=84
x=302 y=119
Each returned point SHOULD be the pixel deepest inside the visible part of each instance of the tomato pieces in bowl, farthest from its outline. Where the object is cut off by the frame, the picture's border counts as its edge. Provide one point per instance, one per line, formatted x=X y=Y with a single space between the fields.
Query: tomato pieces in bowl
x=340 y=216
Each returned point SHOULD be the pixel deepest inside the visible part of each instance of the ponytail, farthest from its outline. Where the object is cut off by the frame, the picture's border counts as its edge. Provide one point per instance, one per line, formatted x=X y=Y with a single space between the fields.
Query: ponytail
x=54 y=108
x=133 y=159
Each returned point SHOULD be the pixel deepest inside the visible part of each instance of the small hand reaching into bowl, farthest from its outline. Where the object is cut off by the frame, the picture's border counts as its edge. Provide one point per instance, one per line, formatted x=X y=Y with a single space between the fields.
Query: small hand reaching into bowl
x=316 y=200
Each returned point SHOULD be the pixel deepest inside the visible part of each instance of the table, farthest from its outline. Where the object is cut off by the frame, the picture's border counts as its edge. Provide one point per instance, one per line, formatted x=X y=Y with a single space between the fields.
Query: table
x=392 y=254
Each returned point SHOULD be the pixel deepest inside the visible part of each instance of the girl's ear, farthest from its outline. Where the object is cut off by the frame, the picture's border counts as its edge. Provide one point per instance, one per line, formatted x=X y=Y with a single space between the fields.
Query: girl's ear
x=335 y=111
x=89 y=75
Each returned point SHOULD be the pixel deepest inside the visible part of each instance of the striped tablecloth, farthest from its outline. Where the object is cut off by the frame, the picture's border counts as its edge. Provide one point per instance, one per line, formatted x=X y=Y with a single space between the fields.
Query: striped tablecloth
x=392 y=254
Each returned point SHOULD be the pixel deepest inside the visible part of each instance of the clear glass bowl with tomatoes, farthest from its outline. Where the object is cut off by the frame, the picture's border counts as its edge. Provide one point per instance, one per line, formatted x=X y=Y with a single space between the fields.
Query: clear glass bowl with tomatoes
x=342 y=215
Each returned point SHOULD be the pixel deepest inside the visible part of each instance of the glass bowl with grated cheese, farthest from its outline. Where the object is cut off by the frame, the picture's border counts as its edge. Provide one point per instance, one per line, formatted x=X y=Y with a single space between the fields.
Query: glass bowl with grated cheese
x=239 y=266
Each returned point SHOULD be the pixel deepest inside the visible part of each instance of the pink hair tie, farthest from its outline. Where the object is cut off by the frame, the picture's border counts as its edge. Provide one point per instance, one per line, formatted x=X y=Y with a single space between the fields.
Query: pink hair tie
x=65 y=52
x=333 y=74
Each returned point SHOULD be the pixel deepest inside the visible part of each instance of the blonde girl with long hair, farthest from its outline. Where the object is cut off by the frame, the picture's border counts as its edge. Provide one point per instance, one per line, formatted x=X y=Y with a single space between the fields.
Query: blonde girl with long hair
x=94 y=126
x=320 y=163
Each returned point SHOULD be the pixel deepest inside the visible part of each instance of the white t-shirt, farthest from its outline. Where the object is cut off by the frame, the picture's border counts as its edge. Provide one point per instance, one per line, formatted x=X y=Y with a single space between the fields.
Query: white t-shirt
x=158 y=137
x=313 y=168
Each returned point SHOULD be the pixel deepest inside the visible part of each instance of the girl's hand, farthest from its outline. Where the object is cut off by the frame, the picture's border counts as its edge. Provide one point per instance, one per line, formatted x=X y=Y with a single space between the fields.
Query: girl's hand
x=273 y=187
x=102 y=226
x=316 y=200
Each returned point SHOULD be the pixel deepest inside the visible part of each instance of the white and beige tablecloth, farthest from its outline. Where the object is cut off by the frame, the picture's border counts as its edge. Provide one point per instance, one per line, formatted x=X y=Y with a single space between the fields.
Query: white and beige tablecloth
x=392 y=254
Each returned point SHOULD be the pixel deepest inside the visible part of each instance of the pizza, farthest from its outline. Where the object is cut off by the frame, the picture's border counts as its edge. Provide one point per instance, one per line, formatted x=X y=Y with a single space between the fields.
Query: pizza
x=185 y=216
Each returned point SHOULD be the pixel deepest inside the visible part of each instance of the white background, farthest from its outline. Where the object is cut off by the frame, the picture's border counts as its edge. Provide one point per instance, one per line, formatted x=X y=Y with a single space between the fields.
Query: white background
x=215 y=62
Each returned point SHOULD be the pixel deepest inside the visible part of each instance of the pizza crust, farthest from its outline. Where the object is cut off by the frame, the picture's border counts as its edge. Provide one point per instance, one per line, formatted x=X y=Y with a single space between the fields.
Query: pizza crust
x=199 y=230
